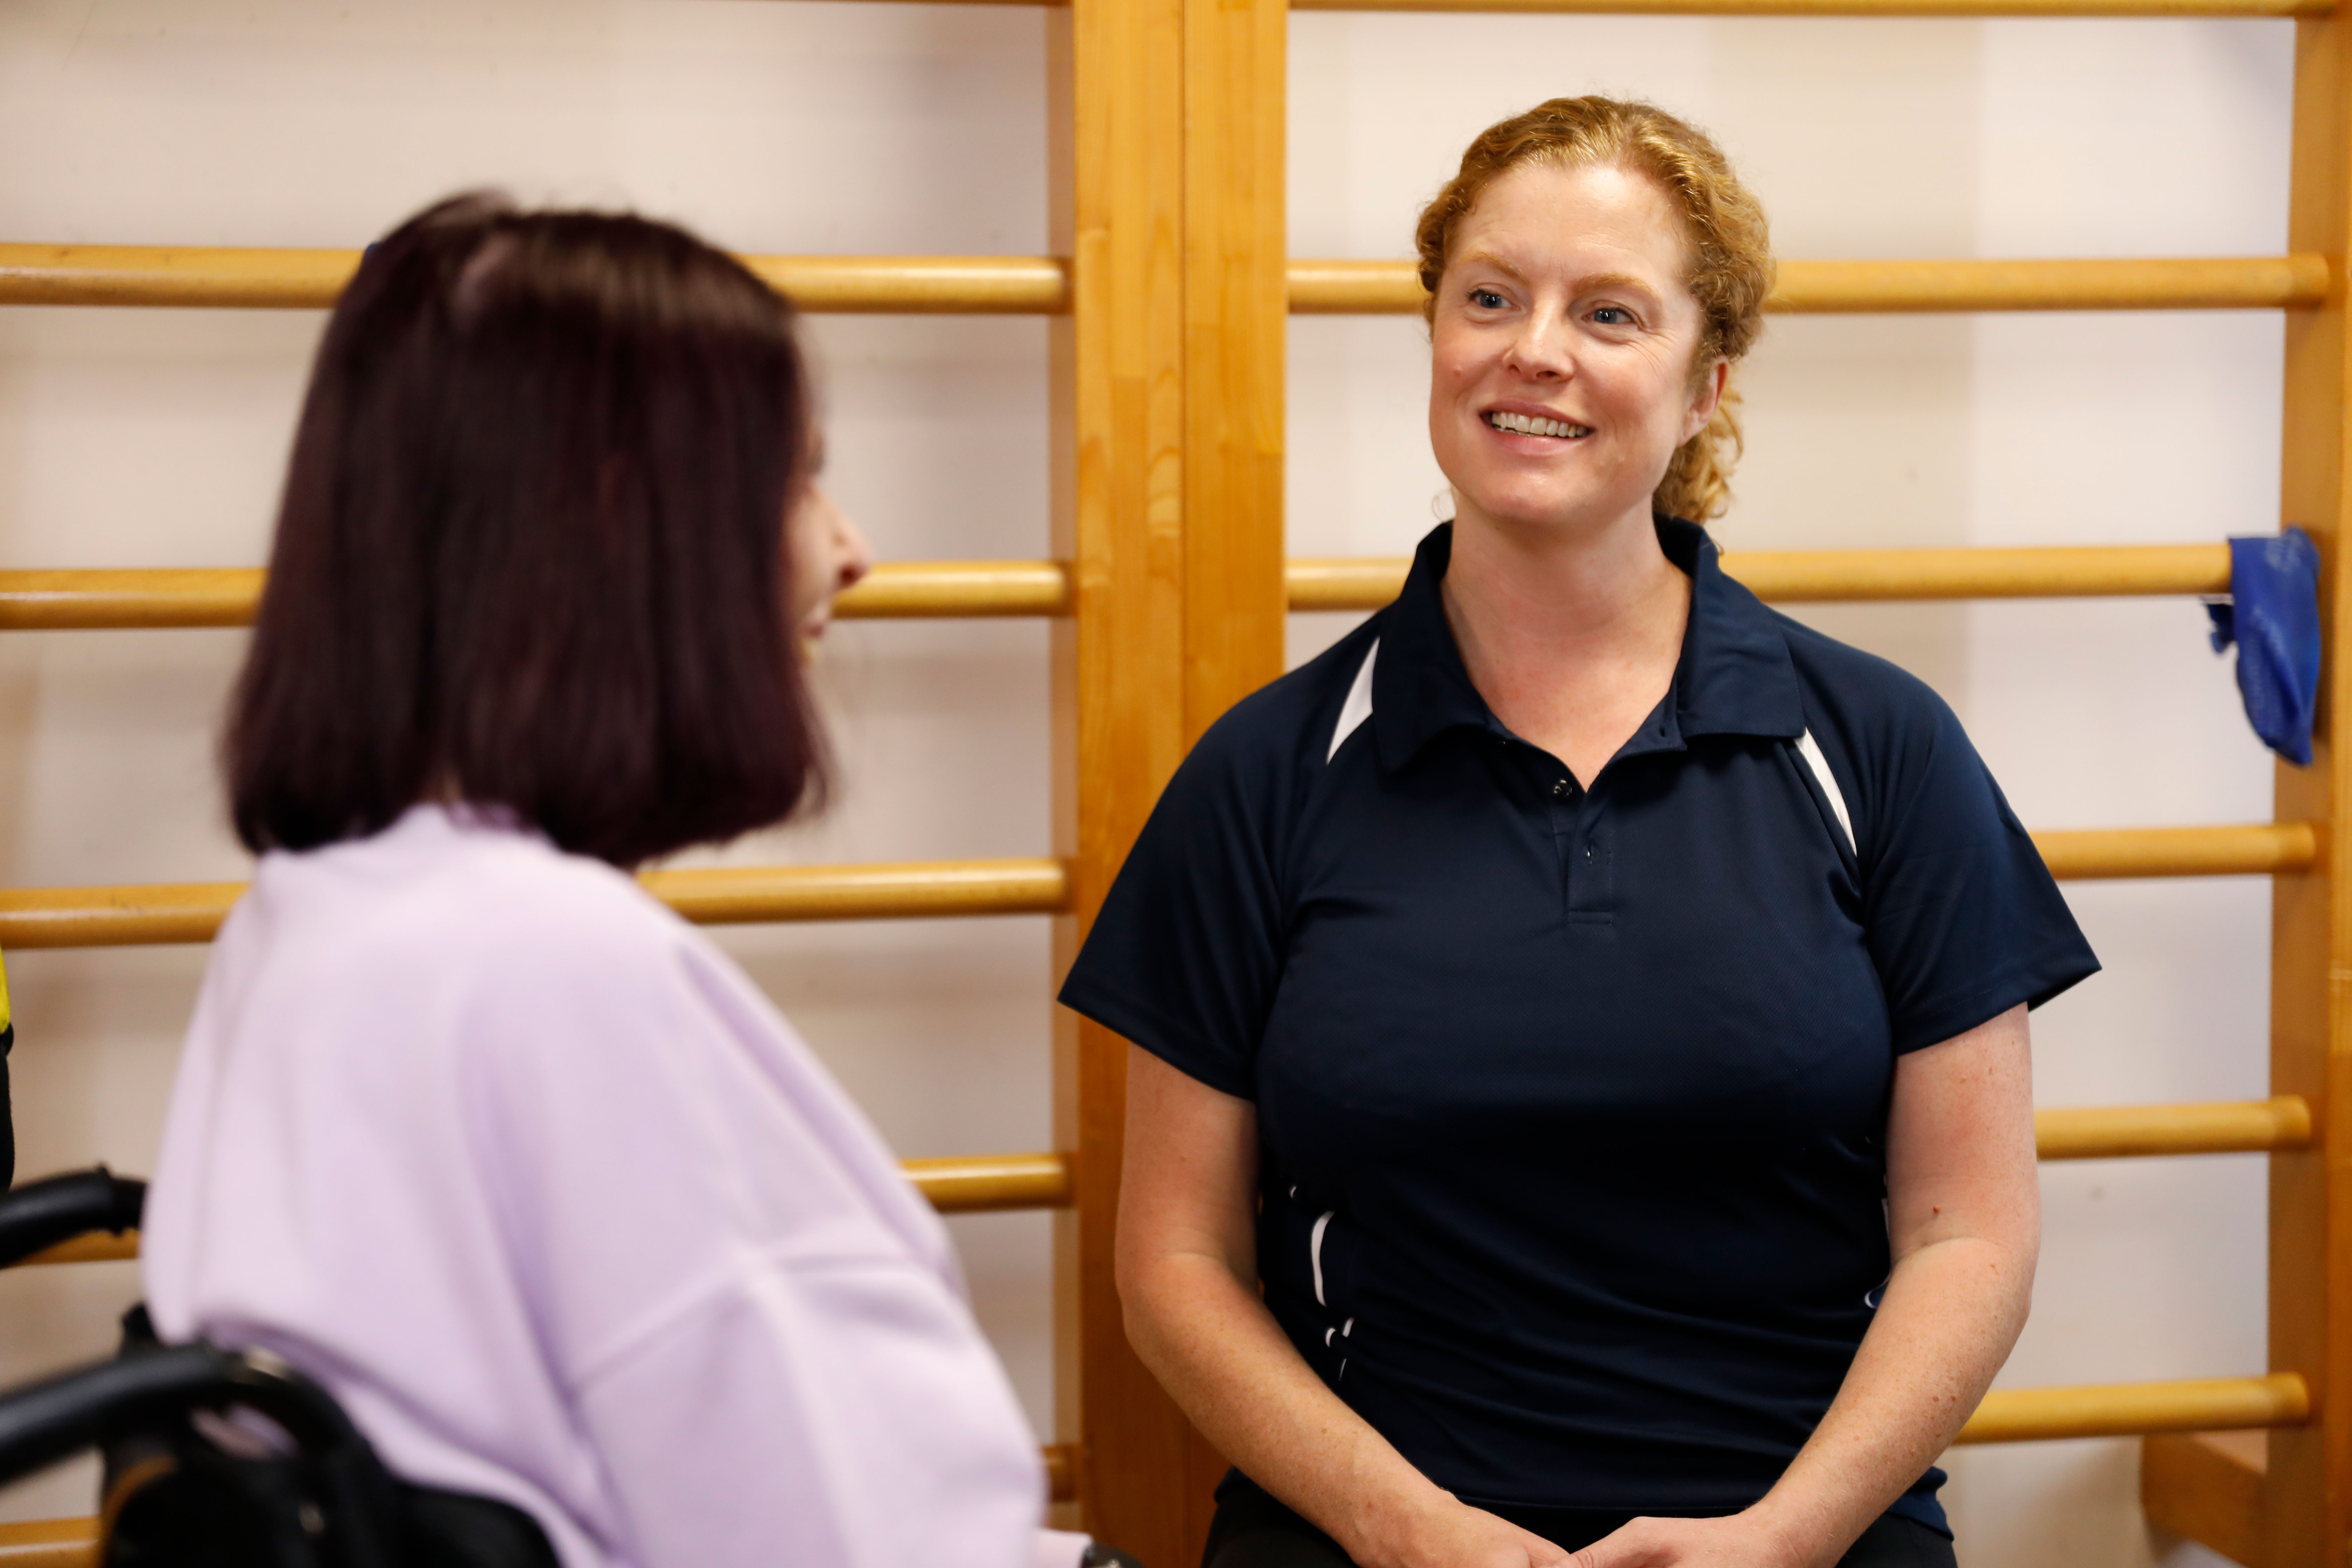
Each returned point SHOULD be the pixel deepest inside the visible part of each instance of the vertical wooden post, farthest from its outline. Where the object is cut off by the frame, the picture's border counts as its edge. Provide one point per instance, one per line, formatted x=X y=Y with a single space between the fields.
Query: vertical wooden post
x=2306 y=1512
x=1116 y=147
x=1236 y=321
x=1167 y=149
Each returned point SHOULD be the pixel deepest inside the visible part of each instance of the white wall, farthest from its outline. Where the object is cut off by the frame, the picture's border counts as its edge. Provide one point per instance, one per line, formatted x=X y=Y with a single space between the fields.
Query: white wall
x=155 y=437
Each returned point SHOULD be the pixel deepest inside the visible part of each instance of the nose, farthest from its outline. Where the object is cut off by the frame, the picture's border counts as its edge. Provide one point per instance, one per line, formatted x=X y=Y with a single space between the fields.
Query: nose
x=853 y=557
x=1540 y=350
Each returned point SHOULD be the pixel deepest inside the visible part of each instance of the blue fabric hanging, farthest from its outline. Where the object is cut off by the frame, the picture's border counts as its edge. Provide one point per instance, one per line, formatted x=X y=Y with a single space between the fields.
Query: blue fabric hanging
x=2273 y=617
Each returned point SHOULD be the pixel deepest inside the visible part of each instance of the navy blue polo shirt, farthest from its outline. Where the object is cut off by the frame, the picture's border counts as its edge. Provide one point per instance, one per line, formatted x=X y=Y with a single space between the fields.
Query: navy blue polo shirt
x=1573 y=1102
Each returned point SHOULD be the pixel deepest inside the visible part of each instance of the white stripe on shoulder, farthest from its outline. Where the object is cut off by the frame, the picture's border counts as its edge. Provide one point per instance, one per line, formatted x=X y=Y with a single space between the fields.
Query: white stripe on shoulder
x=1811 y=749
x=1359 y=706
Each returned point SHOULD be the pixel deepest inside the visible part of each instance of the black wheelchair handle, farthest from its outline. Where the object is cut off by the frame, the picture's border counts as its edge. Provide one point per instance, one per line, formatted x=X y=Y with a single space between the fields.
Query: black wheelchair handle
x=44 y=1422
x=39 y=1215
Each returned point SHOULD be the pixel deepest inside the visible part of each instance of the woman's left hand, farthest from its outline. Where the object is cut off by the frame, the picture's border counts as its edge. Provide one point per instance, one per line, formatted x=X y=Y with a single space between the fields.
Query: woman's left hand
x=1741 y=1540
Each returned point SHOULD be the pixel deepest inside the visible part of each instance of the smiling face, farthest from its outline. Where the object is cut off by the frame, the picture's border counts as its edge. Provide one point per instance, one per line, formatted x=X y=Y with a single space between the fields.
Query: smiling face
x=1562 y=346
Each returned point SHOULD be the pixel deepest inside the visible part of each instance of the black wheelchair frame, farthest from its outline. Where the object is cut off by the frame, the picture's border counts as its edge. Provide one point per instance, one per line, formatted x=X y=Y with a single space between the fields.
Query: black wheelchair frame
x=219 y=1458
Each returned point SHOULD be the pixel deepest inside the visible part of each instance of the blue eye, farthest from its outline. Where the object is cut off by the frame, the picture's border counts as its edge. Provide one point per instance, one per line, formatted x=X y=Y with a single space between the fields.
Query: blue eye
x=1486 y=298
x=1610 y=316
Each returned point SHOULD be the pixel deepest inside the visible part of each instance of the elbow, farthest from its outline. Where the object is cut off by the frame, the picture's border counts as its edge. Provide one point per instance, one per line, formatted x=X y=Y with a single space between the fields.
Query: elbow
x=1132 y=1279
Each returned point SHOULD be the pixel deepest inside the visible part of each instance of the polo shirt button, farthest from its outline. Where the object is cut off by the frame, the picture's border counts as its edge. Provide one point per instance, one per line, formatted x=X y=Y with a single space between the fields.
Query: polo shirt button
x=1560 y=789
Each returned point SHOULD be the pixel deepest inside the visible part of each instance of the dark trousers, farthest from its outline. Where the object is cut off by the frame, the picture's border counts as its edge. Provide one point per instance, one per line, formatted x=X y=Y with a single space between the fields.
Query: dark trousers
x=1252 y=1529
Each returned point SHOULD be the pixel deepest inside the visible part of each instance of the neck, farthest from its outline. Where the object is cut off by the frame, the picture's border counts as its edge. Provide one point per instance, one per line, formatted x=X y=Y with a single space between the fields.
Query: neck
x=1516 y=592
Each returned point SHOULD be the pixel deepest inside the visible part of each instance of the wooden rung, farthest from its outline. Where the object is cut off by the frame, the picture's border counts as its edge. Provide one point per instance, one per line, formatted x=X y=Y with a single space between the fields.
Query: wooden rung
x=2127 y=1409
x=73 y=1542
x=190 y=276
x=2241 y=8
x=988 y=1183
x=1061 y=1473
x=983 y=1183
x=972 y=1184
x=928 y=589
x=283 y=280
x=136 y=915
x=1817 y=577
x=2035 y=571
x=150 y=598
x=2253 y=849
x=1862 y=287
x=49 y=1543
x=2230 y=1127
x=133 y=916
x=97 y=1247
x=158 y=598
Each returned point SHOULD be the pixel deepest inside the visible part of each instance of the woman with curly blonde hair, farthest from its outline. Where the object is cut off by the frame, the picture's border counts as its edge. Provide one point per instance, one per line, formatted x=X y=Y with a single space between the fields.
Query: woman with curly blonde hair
x=1579 y=1102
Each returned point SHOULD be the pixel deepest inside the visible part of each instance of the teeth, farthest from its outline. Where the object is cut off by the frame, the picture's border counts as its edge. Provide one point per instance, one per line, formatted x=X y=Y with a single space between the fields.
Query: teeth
x=1528 y=425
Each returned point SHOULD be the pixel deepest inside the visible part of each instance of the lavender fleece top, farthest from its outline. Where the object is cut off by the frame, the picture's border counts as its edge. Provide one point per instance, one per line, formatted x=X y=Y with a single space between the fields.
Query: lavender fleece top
x=529 y=1174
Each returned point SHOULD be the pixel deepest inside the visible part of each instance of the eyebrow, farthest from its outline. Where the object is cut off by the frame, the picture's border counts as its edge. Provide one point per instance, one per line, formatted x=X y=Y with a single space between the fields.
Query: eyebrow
x=1488 y=258
x=1615 y=280
x=1583 y=285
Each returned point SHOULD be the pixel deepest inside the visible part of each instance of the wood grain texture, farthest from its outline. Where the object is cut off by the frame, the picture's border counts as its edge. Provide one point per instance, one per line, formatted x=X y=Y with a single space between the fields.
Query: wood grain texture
x=993 y=1183
x=928 y=589
x=1826 y=576
x=1115 y=141
x=2227 y=1127
x=254 y=279
x=136 y=916
x=968 y=1184
x=1235 y=330
x=2127 y=1409
x=1873 y=288
x=978 y=1184
x=2251 y=850
x=49 y=1543
x=183 y=277
x=1236 y=308
x=2250 y=8
x=140 y=598
x=2308 y=1502
x=2207 y=1486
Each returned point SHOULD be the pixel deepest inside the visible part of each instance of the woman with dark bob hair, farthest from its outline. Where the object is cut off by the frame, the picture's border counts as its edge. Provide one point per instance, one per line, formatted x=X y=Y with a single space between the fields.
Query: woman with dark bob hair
x=468 y=1127
x=1580 y=1108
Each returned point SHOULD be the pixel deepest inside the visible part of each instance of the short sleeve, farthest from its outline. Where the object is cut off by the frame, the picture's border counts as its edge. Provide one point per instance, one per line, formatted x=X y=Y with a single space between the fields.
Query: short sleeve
x=1186 y=953
x=1963 y=919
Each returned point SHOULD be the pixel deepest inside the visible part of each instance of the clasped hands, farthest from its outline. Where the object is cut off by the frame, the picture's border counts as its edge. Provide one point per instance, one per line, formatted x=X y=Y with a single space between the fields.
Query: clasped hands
x=1460 y=1536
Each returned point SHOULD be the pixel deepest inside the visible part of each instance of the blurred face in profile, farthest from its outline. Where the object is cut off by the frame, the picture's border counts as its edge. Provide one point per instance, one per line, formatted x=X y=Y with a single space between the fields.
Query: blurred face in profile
x=824 y=554
x=1562 y=347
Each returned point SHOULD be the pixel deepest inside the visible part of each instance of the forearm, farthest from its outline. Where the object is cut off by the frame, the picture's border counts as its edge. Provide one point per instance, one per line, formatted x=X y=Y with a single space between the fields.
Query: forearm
x=1209 y=1340
x=1951 y=1312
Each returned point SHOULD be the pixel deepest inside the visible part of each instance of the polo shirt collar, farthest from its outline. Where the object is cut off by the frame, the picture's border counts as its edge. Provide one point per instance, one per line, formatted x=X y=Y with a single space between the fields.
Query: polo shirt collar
x=1735 y=676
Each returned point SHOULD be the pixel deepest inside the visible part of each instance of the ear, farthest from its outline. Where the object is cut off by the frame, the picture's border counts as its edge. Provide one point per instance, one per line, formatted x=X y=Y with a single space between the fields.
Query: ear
x=1706 y=398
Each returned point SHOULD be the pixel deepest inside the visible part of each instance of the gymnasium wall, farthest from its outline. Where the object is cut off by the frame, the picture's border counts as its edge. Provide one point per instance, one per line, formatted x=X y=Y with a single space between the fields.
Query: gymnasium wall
x=139 y=437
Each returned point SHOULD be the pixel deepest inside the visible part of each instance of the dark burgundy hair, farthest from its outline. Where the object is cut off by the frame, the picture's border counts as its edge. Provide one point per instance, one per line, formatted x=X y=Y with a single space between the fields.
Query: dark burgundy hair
x=530 y=552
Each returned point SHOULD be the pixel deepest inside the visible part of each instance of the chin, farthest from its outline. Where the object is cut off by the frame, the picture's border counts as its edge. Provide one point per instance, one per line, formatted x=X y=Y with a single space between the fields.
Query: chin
x=1548 y=514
